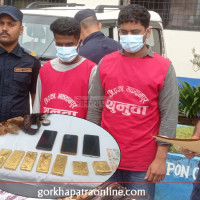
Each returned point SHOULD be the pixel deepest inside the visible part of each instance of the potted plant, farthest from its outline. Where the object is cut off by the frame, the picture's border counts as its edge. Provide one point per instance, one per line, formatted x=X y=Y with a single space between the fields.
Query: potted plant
x=189 y=103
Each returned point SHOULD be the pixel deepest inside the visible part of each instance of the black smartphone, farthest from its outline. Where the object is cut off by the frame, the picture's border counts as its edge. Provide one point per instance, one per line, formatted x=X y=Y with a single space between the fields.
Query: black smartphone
x=69 y=144
x=47 y=140
x=91 y=145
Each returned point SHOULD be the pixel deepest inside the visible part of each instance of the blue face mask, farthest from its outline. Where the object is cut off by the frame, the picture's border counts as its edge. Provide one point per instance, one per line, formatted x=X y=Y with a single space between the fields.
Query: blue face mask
x=132 y=43
x=66 y=54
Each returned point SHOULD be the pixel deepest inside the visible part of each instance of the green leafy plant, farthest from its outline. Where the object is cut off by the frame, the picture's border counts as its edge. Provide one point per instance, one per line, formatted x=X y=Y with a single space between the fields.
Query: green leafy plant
x=189 y=99
x=196 y=60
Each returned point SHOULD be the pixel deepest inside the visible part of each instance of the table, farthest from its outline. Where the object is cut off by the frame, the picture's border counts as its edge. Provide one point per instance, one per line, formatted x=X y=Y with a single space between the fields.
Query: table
x=26 y=183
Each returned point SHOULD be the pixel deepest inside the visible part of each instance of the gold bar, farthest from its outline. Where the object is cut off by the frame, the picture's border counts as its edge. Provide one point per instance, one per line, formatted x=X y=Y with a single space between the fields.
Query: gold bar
x=29 y=160
x=80 y=168
x=101 y=167
x=4 y=154
x=59 y=165
x=44 y=163
x=14 y=160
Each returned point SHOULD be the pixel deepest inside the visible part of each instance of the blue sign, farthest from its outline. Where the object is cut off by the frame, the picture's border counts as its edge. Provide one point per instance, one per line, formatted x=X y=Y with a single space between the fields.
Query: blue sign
x=181 y=172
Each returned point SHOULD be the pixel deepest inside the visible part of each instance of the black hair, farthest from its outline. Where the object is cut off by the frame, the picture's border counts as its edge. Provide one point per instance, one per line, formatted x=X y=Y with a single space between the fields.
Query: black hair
x=134 y=13
x=66 y=26
x=89 y=21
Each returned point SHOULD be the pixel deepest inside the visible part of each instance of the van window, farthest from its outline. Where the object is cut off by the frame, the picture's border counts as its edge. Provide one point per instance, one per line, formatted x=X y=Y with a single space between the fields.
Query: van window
x=154 y=41
x=37 y=35
x=105 y=31
x=108 y=28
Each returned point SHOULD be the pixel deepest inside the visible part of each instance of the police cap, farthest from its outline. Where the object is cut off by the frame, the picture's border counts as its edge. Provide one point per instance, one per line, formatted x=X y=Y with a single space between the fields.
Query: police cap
x=81 y=15
x=12 y=11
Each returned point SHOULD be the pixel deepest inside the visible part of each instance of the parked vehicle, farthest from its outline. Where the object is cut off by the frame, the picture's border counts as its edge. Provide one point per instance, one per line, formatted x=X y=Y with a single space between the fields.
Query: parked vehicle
x=38 y=37
x=177 y=45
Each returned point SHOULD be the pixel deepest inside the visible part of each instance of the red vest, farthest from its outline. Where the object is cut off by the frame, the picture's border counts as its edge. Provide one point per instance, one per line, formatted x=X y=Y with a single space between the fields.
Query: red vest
x=131 y=110
x=65 y=92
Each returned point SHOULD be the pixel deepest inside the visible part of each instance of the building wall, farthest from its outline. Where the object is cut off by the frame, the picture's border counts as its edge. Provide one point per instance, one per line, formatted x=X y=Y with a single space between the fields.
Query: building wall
x=179 y=45
x=176 y=14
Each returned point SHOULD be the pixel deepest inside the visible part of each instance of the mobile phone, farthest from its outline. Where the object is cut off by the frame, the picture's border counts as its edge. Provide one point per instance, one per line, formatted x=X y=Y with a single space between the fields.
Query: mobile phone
x=91 y=145
x=69 y=144
x=47 y=140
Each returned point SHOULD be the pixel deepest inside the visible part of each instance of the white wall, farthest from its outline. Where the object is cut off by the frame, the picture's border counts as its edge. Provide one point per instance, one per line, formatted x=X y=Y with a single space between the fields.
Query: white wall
x=94 y=3
x=179 y=46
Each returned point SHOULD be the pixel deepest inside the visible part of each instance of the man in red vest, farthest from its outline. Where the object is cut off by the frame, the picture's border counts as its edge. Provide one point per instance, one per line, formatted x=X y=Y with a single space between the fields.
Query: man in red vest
x=63 y=82
x=140 y=94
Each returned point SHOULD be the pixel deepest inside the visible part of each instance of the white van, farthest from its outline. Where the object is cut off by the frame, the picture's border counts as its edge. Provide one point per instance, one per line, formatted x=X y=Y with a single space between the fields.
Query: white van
x=37 y=36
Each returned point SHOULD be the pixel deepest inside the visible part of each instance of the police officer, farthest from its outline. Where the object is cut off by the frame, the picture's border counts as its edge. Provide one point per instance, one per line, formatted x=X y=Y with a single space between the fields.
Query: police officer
x=18 y=67
x=95 y=44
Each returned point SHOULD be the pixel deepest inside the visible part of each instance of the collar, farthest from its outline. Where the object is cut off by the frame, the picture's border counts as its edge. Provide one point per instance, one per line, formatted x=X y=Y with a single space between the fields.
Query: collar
x=17 y=51
x=93 y=35
x=148 y=53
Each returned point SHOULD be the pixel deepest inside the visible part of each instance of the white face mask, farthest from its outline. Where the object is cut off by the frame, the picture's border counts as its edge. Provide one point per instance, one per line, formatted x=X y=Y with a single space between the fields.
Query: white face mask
x=132 y=43
x=66 y=54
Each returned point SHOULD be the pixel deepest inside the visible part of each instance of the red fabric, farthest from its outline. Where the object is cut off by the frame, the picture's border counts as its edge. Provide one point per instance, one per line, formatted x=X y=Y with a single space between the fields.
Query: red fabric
x=131 y=112
x=65 y=92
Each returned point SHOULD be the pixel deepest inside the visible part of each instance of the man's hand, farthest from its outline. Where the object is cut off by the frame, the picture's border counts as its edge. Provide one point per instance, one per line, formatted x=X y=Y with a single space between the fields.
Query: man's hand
x=189 y=154
x=157 y=169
